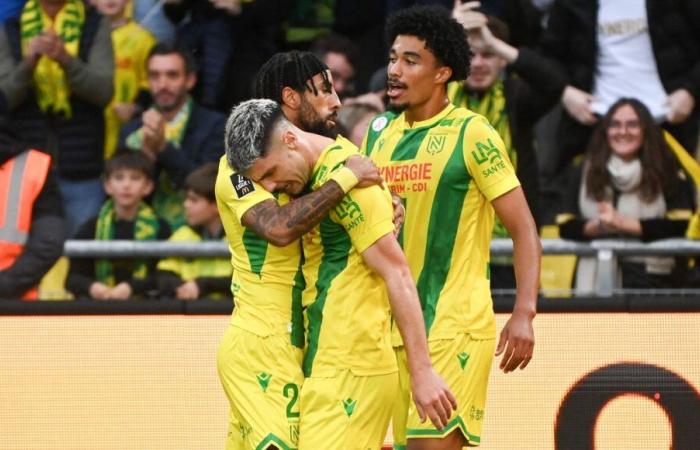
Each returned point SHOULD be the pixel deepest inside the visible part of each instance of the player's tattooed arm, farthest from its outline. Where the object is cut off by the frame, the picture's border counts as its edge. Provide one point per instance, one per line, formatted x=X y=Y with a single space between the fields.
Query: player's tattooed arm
x=282 y=225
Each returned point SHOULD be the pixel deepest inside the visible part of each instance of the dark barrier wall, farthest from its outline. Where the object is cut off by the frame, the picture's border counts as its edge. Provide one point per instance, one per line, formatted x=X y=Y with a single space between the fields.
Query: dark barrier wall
x=142 y=375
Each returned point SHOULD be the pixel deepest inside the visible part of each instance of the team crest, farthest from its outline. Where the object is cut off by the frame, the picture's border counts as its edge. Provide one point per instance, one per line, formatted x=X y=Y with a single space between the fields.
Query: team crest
x=436 y=142
x=379 y=123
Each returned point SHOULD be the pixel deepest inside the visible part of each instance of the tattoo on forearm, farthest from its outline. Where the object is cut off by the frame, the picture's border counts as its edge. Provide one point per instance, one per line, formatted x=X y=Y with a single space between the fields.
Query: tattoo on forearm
x=298 y=216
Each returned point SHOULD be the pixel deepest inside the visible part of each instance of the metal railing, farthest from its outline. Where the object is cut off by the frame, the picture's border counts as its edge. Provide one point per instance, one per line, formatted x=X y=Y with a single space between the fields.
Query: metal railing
x=605 y=251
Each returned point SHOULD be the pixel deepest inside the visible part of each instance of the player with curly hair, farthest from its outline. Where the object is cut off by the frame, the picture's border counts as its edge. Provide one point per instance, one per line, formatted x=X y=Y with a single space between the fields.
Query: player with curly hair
x=451 y=169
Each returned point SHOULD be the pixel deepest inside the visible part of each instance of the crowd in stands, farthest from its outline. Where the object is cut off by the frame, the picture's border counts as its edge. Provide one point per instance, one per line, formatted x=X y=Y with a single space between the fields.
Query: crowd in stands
x=118 y=107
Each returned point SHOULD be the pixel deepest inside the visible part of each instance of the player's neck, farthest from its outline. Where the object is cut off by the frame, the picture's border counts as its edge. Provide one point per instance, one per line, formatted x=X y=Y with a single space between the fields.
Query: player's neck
x=315 y=146
x=426 y=110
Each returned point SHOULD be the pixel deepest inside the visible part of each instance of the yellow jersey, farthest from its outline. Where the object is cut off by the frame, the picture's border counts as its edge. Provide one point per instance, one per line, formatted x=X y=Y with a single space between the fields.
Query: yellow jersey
x=446 y=169
x=347 y=311
x=267 y=281
x=189 y=269
x=132 y=43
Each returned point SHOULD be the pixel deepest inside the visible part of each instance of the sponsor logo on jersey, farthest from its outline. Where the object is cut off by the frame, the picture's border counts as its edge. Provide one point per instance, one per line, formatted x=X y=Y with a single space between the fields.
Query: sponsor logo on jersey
x=263 y=380
x=242 y=185
x=463 y=358
x=349 y=406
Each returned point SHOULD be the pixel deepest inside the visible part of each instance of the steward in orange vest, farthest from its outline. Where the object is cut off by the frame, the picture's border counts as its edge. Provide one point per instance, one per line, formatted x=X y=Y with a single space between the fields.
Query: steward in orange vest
x=32 y=231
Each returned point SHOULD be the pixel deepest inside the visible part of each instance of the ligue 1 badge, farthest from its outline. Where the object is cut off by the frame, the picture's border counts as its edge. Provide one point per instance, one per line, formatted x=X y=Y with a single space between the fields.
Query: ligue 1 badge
x=379 y=123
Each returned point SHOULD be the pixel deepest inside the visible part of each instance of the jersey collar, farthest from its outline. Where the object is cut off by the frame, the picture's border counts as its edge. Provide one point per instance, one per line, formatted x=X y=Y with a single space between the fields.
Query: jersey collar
x=429 y=121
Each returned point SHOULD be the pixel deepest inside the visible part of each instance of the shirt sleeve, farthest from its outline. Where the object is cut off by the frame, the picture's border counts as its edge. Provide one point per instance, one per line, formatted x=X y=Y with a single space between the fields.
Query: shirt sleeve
x=240 y=194
x=366 y=215
x=487 y=159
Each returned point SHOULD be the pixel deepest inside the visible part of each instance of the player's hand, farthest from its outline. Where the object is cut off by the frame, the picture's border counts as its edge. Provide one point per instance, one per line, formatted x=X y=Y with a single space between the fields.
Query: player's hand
x=365 y=170
x=680 y=105
x=433 y=398
x=518 y=340
x=122 y=291
x=187 y=291
x=578 y=104
x=399 y=213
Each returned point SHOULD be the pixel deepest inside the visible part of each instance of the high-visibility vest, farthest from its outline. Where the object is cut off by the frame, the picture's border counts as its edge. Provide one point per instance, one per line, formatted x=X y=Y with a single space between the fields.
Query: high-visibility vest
x=21 y=181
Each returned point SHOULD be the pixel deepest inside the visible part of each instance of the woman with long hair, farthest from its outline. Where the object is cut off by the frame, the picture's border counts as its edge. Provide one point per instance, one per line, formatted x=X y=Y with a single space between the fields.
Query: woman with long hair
x=629 y=186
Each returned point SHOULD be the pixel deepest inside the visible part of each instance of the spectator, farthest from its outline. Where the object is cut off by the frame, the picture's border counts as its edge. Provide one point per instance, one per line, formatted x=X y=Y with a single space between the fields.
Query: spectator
x=341 y=56
x=629 y=186
x=354 y=119
x=205 y=30
x=649 y=49
x=56 y=71
x=33 y=231
x=256 y=33
x=127 y=181
x=362 y=22
x=132 y=43
x=512 y=104
x=177 y=134
x=193 y=278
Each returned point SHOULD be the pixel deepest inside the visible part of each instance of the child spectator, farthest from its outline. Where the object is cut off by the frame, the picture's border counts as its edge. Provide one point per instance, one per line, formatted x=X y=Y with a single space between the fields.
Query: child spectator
x=193 y=278
x=127 y=181
x=132 y=44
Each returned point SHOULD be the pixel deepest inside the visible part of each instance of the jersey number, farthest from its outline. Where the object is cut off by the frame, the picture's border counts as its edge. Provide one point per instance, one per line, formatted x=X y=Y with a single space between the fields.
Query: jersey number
x=291 y=390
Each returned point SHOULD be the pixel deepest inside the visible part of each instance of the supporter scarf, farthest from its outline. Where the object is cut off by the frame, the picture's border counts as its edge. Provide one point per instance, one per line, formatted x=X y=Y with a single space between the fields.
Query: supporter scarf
x=52 y=90
x=146 y=227
x=167 y=200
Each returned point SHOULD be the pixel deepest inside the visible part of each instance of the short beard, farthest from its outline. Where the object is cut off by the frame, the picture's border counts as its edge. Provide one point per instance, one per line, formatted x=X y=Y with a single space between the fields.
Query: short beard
x=398 y=109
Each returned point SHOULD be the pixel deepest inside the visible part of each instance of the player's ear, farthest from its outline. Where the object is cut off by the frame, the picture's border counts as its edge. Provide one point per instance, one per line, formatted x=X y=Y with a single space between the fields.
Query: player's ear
x=290 y=139
x=444 y=73
x=291 y=98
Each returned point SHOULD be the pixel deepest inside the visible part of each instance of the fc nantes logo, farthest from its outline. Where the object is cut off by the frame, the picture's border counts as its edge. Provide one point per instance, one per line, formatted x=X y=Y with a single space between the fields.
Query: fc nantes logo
x=436 y=142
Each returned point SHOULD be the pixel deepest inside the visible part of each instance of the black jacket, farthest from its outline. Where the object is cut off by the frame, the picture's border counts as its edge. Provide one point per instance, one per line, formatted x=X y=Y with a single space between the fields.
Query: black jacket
x=570 y=40
x=529 y=96
x=203 y=142
x=79 y=139
x=572 y=222
x=46 y=235
x=82 y=270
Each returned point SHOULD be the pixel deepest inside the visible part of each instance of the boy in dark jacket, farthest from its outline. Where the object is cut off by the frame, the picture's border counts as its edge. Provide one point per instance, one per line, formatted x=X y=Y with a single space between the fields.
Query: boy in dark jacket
x=125 y=215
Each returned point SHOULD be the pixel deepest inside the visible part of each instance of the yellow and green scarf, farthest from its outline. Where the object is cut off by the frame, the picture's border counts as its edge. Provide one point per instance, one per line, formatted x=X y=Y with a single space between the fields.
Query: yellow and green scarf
x=167 y=200
x=52 y=90
x=146 y=228
x=491 y=105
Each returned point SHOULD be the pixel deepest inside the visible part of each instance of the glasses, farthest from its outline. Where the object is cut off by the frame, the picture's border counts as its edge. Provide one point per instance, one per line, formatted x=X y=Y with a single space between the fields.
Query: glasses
x=630 y=125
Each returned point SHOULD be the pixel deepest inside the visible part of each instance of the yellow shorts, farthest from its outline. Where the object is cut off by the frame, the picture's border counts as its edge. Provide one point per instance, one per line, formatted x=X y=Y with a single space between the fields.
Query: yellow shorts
x=346 y=412
x=262 y=378
x=464 y=363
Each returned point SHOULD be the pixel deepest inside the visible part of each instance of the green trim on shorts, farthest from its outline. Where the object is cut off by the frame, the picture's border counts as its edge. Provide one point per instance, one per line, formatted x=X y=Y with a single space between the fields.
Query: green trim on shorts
x=432 y=432
x=274 y=440
x=400 y=447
